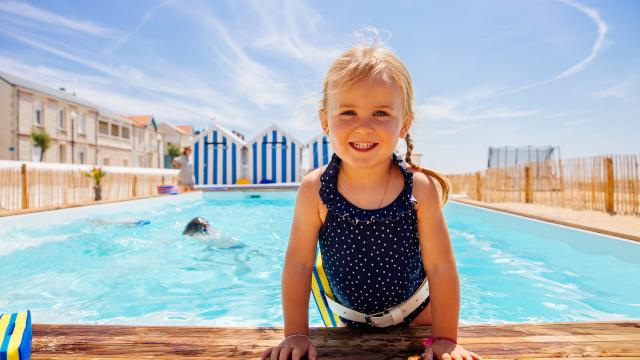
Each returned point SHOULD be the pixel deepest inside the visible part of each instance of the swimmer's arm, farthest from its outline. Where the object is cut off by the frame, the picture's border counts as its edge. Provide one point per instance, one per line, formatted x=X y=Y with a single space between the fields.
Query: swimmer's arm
x=300 y=257
x=438 y=258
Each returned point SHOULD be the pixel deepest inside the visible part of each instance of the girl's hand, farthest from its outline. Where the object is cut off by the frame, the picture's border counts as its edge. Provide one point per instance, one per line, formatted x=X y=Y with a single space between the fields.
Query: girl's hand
x=444 y=350
x=292 y=346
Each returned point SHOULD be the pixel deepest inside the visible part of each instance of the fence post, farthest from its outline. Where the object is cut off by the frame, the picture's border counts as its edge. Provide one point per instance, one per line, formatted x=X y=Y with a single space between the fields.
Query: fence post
x=527 y=185
x=25 y=187
x=134 y=186
x=478 y=186
x=608 y=165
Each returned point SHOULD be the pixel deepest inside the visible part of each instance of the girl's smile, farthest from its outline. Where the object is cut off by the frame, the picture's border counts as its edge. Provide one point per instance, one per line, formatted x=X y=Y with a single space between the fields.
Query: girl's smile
x=363 y=146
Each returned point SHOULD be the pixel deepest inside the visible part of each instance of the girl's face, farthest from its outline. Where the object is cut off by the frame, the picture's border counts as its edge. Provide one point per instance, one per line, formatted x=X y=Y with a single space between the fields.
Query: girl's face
x=365 y=121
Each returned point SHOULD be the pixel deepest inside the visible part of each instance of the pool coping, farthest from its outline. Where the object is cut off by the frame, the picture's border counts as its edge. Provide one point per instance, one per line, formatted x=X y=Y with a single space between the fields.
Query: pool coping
x=548 y=219
x=594 y=339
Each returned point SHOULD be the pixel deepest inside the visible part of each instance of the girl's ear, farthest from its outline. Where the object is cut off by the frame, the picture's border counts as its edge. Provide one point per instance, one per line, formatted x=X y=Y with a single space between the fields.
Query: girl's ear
x=322 y=113
x=406 y=125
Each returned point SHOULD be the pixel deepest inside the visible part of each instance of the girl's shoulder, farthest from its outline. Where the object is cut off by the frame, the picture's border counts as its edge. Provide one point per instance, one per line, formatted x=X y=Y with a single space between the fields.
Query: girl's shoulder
x=425 y=188
x=310 y=184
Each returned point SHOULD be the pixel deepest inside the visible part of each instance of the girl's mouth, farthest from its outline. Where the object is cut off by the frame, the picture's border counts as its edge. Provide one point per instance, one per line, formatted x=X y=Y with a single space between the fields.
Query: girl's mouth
x=362 y=146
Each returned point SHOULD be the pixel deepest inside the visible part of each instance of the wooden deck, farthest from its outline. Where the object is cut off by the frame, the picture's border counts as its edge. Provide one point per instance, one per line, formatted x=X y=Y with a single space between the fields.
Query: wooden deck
x=603 y=340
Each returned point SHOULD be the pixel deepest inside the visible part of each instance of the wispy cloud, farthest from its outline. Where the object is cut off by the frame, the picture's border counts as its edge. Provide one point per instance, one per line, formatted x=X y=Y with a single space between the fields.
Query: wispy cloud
x=596 y=48
x=440 y=108
x=146 y=17
x=602 y=27
x=619 y=90
x=33 y=13
x=121 y=97
x=258 y=83
x=284 y=28
x=131 y=75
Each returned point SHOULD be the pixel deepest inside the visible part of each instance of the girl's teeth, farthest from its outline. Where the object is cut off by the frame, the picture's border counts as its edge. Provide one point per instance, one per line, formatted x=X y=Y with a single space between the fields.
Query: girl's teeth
x=363 y=145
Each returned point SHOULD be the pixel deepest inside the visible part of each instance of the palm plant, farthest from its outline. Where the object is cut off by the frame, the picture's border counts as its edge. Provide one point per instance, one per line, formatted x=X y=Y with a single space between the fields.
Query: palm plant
x=42 y=140
x=96 y=174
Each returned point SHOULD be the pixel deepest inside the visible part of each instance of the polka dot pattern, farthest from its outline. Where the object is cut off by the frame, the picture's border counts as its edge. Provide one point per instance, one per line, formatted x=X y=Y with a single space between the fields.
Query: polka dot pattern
x=371 y=257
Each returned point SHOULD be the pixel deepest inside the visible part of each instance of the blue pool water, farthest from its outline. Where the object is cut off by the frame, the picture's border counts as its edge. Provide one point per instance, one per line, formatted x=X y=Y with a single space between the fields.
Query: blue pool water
x=89 y=270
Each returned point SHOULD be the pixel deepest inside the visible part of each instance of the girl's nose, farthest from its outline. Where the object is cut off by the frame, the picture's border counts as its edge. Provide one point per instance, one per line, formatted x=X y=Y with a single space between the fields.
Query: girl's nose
x=364 y=124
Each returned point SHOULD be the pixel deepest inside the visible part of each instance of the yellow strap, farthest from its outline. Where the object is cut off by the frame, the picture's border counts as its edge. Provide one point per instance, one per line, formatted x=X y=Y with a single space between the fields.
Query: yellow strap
x=4 y=321
x=16 y=337
x=326 y=288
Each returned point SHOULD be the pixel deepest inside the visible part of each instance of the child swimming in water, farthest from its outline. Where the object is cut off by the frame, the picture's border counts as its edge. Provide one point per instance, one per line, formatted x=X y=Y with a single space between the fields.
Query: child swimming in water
x=378 y=222
x=200 y=228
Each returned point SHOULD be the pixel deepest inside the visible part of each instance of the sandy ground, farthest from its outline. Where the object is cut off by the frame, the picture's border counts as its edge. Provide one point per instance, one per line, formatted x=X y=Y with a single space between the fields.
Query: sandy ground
x=622 y=225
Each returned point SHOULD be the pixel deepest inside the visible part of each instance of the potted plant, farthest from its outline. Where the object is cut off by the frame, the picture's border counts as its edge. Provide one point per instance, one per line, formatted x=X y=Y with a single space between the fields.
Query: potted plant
x=173 y=151
x=96 y=174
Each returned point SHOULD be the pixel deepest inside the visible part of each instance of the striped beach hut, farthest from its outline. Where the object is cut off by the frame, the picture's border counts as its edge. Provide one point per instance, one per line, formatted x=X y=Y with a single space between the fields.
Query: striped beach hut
x=217 y=157
x=274 y=156
x=319 y=151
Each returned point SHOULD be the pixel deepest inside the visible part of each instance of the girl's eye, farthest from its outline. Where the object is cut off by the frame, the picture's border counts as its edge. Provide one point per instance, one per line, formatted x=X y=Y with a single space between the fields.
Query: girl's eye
x=380 y=113
x=348 y=113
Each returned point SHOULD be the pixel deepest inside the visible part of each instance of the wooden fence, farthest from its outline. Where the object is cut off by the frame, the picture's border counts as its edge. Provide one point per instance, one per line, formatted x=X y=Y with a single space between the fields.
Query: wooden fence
x=601 y=183
x=25 y=185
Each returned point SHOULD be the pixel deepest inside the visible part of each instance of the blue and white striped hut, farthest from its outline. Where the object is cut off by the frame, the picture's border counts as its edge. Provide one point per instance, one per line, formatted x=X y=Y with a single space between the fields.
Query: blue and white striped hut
x=217 y=157
x=320 y=151
x=274 y=157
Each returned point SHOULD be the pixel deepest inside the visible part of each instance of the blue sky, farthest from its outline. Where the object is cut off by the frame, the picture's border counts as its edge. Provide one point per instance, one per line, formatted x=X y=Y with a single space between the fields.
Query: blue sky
x=486 y=73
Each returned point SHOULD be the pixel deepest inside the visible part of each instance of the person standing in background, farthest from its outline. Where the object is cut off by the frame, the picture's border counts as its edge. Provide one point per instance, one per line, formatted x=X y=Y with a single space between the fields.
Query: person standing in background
x=185 y=176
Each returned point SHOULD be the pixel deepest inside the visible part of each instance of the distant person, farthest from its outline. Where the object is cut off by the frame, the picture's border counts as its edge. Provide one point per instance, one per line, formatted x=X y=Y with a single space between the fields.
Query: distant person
x=200 y=227
x=185 y=176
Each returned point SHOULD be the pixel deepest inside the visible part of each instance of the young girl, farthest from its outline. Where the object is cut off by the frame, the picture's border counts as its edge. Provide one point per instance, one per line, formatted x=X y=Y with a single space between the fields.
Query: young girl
x=380 y=225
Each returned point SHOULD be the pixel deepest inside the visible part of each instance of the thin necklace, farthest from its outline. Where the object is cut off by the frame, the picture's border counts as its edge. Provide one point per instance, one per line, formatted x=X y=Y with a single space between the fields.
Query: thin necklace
x=385 y=187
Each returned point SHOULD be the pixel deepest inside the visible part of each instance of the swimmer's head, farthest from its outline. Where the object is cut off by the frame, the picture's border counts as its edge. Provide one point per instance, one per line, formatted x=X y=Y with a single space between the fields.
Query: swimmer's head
x=197 y=226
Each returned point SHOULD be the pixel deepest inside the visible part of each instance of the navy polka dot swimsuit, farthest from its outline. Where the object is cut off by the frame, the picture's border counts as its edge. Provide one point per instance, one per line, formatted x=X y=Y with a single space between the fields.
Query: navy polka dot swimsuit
x=371 y=257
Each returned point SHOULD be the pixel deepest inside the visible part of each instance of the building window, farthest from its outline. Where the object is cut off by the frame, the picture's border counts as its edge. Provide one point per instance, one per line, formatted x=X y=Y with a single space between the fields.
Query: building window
x=37 y=108
x=125 y=162
x=36 y=153
x=63 y=119
x=82 y=126
x=114 y=130
x=105 y=161
x=82 y=157
x=103 y=127
x=125 y=132
x=63 y=153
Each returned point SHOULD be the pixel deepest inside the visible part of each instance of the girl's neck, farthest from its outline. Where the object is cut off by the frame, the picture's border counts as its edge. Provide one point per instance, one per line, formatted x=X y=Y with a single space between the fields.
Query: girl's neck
x=369 y=176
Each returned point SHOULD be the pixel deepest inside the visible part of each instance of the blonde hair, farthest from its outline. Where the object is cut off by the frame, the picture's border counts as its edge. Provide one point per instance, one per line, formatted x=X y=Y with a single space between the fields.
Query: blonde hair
x=370 y=61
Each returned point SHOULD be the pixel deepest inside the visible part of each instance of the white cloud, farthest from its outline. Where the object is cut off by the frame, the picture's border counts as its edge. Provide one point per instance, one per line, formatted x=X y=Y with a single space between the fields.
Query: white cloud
x=440 y=108
x=596 y=48
x=109 y=93
x=30 y=12
x=256 y=82
x=618 y=90
x=283 y=27
x=602 y=27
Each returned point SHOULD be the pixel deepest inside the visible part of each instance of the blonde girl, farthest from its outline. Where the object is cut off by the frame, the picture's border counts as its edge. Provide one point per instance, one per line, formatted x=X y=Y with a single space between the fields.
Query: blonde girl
x=378 y=222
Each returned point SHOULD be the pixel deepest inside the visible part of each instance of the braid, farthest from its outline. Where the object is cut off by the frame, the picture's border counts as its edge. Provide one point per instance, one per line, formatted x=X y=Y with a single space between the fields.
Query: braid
x=444 y=187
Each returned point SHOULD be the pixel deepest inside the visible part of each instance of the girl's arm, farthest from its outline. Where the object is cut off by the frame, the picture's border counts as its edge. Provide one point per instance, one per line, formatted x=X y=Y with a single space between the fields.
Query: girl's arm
x=437 y=258
x=296 y=275
x=440 y=265
x=300 y=256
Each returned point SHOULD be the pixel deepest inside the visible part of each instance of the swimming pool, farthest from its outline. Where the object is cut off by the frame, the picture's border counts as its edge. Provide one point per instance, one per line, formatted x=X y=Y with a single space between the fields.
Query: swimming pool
x=81 y=266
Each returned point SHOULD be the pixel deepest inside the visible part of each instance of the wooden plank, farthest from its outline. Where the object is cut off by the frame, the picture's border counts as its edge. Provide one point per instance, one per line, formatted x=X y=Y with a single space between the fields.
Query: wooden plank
x=612 y=340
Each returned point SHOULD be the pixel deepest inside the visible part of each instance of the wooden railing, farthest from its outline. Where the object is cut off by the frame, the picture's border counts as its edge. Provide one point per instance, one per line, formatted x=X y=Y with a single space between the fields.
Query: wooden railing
x=30 y=185
x=602 y=183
